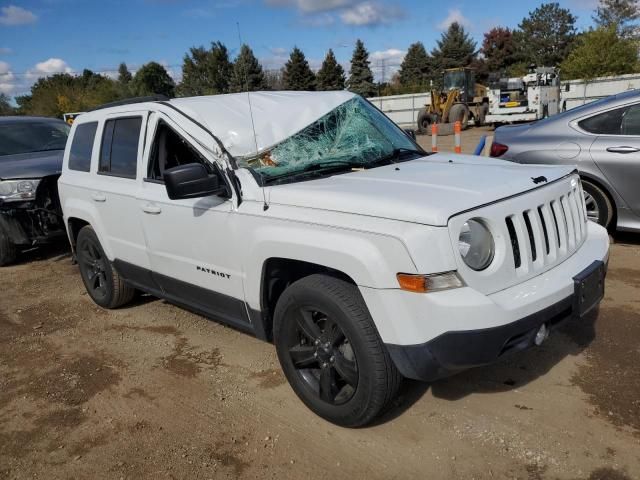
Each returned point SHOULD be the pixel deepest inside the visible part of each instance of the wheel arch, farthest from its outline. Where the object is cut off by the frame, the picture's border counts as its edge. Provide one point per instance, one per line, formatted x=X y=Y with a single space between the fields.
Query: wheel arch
x=277 y=274
x=607 y=191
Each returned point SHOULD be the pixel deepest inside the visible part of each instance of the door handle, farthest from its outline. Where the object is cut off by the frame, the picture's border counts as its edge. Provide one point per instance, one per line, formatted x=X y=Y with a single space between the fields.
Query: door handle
x=98 y=197
x=151 y=209
x=623 y=149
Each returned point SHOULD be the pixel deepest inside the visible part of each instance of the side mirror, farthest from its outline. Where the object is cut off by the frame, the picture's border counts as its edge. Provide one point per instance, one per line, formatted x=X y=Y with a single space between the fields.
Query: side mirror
x=411 y=133
x=192 y=181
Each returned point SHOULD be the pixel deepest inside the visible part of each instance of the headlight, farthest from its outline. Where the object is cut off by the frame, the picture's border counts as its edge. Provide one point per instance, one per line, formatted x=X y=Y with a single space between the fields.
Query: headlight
x=476 y=244
x=18 y=190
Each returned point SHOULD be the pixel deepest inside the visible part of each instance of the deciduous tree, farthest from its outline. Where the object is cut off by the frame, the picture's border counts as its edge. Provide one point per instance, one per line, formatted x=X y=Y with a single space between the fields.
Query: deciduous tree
x=152 y=78
x=601 y=52
x=621 y=14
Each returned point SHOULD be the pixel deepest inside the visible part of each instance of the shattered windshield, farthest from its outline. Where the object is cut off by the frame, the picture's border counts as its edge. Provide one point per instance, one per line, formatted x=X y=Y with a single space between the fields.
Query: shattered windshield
x=353 y=135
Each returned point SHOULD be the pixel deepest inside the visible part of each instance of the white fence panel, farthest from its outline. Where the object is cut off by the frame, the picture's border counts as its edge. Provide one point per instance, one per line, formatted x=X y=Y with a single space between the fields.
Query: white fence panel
x=402 y=109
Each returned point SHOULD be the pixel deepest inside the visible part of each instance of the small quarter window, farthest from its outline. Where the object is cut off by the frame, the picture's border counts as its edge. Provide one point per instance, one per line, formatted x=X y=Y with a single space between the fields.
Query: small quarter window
x=82 y=146
x=119 y=151
x=607 y=123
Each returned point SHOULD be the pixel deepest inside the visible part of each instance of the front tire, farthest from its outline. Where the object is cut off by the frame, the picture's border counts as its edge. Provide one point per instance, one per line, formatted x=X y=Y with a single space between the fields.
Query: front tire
x=104 y=285
x=599 y=206
x=331 y=353
x=8 y=251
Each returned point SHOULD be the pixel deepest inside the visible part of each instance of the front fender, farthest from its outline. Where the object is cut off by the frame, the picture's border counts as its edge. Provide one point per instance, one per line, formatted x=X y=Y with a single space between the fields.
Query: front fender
x=370 y=259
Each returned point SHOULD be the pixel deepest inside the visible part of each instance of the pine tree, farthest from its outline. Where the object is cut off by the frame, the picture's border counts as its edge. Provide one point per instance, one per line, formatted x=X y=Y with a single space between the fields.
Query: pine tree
x=415 y=70
x=247 y=72
x=124 y=75
x=546 y=36
x=623 y=14
x=296 y=74
x=360 y=77
x=331 y=74
x=206 y=72
x=455 y=48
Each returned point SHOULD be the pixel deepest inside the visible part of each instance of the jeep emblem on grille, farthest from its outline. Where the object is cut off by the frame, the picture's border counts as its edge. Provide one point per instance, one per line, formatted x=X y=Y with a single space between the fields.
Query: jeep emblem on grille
x=538 y=180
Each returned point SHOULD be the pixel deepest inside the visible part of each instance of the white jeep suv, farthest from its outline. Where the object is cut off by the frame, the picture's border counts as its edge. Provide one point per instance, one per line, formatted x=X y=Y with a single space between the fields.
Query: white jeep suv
x=312 y=220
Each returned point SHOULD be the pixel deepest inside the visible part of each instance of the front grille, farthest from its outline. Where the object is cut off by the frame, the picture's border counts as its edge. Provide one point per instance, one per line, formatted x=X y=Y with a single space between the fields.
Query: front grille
x=546 y=234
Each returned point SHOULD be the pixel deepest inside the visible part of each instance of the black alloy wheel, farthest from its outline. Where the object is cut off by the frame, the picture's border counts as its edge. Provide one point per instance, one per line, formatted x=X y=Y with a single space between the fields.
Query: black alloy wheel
x=323 y=357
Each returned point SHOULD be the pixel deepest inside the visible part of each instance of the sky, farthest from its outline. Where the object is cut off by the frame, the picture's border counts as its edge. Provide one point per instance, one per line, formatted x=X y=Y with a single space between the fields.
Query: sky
x=42 y=37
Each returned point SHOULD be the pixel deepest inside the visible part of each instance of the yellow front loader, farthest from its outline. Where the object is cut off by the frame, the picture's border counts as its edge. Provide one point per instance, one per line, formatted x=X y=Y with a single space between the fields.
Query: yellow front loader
x=460 y=100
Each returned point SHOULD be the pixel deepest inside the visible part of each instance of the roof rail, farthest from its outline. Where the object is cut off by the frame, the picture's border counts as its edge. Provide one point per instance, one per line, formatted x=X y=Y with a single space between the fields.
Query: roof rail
x=130 y=101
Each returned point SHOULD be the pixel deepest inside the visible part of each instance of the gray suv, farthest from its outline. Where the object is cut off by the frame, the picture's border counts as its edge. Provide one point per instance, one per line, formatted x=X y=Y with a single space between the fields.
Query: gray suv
x=603 y=139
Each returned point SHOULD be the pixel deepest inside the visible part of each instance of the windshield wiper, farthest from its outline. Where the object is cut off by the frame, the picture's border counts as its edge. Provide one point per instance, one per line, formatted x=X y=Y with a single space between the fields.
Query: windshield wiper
x=313 y=168
x=396 y=154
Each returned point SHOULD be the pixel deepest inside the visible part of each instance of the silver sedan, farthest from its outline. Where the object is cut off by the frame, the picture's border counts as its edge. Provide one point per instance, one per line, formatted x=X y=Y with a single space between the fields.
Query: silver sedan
x=602 y=139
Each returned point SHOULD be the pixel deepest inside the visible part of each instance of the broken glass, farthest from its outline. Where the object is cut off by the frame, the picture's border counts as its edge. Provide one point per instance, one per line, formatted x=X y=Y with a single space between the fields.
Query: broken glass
x=355 y=132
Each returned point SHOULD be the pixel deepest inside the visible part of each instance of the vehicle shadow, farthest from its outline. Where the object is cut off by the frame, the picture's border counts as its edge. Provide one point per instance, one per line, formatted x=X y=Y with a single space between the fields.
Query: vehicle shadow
x=626 y=238
x=56 y=251
x=512 y=372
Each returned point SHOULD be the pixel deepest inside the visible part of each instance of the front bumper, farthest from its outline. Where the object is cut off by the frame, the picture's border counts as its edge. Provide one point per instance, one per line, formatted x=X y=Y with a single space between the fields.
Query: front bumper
x=452 y=352
x=430 y=336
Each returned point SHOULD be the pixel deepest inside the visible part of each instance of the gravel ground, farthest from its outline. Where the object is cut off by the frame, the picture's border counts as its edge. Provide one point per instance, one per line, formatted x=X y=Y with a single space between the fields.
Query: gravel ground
x=153 y=391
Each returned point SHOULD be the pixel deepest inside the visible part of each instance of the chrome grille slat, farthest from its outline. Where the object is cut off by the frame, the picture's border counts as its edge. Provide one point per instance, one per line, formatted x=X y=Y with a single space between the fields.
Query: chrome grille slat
x=546 y=234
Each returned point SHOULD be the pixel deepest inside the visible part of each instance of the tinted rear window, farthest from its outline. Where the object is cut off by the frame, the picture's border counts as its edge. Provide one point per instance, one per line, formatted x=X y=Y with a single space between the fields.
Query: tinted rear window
x=81 y=147
x=119 y=151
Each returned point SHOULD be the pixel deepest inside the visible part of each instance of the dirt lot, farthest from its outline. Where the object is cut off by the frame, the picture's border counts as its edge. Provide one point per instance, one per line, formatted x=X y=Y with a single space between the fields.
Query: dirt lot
x=153 y=391
x=468 y=140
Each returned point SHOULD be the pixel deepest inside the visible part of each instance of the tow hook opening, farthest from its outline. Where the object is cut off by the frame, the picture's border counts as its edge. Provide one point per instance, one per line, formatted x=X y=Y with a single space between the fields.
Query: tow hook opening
x=541 y=334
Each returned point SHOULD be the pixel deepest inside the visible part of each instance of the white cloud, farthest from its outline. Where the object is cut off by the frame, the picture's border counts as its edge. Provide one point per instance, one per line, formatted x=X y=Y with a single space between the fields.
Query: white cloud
x=321 y=13
x=12 y=15
x=48 y=67
x=454 y=16
x=7 y=79
x=370 y=13
x=312 y=6
x=385 y=63
x=5 y=51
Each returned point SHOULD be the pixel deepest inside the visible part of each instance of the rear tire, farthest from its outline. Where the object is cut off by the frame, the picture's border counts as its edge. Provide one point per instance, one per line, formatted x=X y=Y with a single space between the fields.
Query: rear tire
x=599 y=206
x=8 y=251
x=325 y=336
x=104 y=285
x=424 y=121
x=459 y=113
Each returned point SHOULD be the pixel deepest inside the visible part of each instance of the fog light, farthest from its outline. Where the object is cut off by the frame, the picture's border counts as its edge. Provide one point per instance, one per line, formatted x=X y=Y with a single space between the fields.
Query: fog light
x=541 y=335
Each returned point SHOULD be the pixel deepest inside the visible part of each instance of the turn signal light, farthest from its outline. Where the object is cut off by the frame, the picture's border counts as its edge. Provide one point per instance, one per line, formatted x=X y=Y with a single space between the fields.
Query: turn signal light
x=429 y=283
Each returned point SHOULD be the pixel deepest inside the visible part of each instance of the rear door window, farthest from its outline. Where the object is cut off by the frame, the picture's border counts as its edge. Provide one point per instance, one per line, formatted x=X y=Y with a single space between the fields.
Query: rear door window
x=631 y=121
x=82 y=146
x=119 y=151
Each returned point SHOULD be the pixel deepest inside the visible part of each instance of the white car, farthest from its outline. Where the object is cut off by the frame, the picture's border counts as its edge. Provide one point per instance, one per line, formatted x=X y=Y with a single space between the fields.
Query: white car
x=312 y=220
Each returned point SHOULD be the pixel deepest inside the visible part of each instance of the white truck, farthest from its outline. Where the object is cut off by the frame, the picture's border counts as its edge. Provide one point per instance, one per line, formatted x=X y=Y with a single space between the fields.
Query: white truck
x=313 y=221
x=524 y=99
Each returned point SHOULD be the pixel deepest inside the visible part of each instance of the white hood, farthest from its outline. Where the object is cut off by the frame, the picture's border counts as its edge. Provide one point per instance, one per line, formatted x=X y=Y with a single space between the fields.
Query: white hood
x=276 y=116
x=428 y=190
